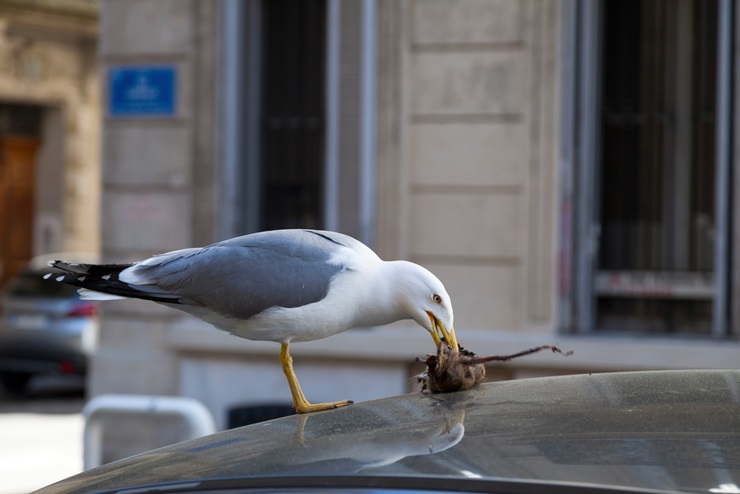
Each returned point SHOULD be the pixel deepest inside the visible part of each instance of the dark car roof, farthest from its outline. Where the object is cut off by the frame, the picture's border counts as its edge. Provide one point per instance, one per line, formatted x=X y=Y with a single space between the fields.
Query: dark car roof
x=663 y=431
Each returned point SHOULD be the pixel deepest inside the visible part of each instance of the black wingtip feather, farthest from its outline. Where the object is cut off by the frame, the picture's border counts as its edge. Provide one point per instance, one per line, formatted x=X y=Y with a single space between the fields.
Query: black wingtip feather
x=103 y=278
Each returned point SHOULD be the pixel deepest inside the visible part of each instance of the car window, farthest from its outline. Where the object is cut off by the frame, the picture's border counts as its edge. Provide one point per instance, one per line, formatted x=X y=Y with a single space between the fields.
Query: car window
x=33 y=284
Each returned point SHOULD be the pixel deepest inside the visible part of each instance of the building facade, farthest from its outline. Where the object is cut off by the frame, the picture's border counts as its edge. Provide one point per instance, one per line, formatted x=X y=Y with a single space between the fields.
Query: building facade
x=49 y=130
x=565 y=167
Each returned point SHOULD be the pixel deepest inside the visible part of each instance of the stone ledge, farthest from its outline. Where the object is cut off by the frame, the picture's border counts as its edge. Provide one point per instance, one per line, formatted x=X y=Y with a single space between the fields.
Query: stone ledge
x=405 y=341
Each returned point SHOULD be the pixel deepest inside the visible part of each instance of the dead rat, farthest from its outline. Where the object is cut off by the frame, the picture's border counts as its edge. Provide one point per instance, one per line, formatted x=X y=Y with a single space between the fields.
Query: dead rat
x=450 y=371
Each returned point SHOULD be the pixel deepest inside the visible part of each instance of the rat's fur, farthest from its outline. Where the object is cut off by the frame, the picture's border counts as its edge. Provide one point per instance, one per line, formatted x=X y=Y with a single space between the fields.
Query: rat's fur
x=449 y=371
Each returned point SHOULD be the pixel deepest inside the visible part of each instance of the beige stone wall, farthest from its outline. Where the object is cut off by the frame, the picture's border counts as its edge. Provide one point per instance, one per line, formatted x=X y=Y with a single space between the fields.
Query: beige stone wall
x=148 y=179
x=147 y=173
x=475 y=153
x=48 y=55
x=158 y=185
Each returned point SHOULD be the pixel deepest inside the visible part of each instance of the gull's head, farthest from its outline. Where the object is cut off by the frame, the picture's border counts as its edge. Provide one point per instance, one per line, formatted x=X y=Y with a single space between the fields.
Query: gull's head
x=424 y=298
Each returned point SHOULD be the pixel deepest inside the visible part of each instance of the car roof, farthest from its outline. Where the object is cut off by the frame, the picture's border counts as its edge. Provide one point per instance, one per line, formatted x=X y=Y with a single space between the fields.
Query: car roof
x=646 y=431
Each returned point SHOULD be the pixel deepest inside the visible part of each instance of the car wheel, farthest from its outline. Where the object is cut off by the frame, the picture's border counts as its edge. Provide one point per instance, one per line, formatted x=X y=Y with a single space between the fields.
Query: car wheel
x=15 y=382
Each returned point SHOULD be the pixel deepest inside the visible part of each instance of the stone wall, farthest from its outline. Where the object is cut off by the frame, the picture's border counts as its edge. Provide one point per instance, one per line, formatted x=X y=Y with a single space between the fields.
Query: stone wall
x=471 y=126
x=48 y=59
x=158 y=188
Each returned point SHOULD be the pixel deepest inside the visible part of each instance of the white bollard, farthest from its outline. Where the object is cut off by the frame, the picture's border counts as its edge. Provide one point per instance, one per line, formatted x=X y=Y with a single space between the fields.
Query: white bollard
x=197 y=417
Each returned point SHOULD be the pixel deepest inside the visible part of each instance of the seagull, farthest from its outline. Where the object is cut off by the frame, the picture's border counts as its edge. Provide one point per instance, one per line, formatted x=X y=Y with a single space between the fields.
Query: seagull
x=283 y=285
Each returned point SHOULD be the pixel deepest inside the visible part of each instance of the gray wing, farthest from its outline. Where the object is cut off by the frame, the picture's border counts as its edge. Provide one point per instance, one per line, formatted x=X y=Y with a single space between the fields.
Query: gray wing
x=242 y=277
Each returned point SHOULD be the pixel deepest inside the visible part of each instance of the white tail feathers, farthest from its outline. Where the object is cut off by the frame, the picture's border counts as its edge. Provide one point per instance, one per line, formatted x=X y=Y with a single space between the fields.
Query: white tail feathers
x=87 y=294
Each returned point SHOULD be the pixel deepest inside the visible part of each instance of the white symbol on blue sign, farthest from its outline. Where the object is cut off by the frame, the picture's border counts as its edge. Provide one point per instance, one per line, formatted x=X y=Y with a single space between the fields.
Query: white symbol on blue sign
x=142 y=91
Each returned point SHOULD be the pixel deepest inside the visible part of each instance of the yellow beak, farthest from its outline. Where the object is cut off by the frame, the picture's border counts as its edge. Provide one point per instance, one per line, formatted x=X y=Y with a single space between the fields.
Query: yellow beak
x=439 y=333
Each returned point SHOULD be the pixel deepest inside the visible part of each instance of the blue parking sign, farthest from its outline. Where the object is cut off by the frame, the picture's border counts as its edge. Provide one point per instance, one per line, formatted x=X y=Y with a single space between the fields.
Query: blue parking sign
x=142 y=91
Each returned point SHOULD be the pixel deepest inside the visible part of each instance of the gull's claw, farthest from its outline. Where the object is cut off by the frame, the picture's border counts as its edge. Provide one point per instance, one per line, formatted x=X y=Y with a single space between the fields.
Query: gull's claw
x=307 y=407
x=300 y=403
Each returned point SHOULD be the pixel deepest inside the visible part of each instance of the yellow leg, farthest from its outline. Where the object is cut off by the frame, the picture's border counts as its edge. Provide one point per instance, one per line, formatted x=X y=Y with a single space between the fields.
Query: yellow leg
x=300 y=403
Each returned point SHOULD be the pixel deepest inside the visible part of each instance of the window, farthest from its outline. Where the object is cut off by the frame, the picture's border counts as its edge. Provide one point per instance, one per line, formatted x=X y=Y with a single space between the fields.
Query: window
x=292 y=119
x=298 y=112
x=649 y=167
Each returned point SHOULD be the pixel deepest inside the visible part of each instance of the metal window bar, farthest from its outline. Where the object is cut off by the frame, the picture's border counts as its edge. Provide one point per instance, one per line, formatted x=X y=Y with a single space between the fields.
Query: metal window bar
x=331 y=145
x=368 y=121
x=724 y=119
x=586 y=228
x=567 y=165
x=250 y=110
x=230 y=123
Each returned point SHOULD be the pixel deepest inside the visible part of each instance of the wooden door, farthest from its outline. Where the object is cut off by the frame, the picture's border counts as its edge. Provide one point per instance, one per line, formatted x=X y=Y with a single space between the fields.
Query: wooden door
x=17 y=178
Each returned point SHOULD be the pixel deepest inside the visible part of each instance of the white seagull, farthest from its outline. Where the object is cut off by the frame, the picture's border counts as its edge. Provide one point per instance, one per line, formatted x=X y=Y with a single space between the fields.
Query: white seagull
x=283 y=286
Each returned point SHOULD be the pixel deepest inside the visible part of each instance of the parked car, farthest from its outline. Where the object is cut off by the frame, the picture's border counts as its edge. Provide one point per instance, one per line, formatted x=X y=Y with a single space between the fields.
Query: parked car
x=672 y=431
x=44 y=328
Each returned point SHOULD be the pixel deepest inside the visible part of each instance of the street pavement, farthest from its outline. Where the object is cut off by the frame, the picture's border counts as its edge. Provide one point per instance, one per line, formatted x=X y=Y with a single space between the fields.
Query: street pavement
x=41 y=434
